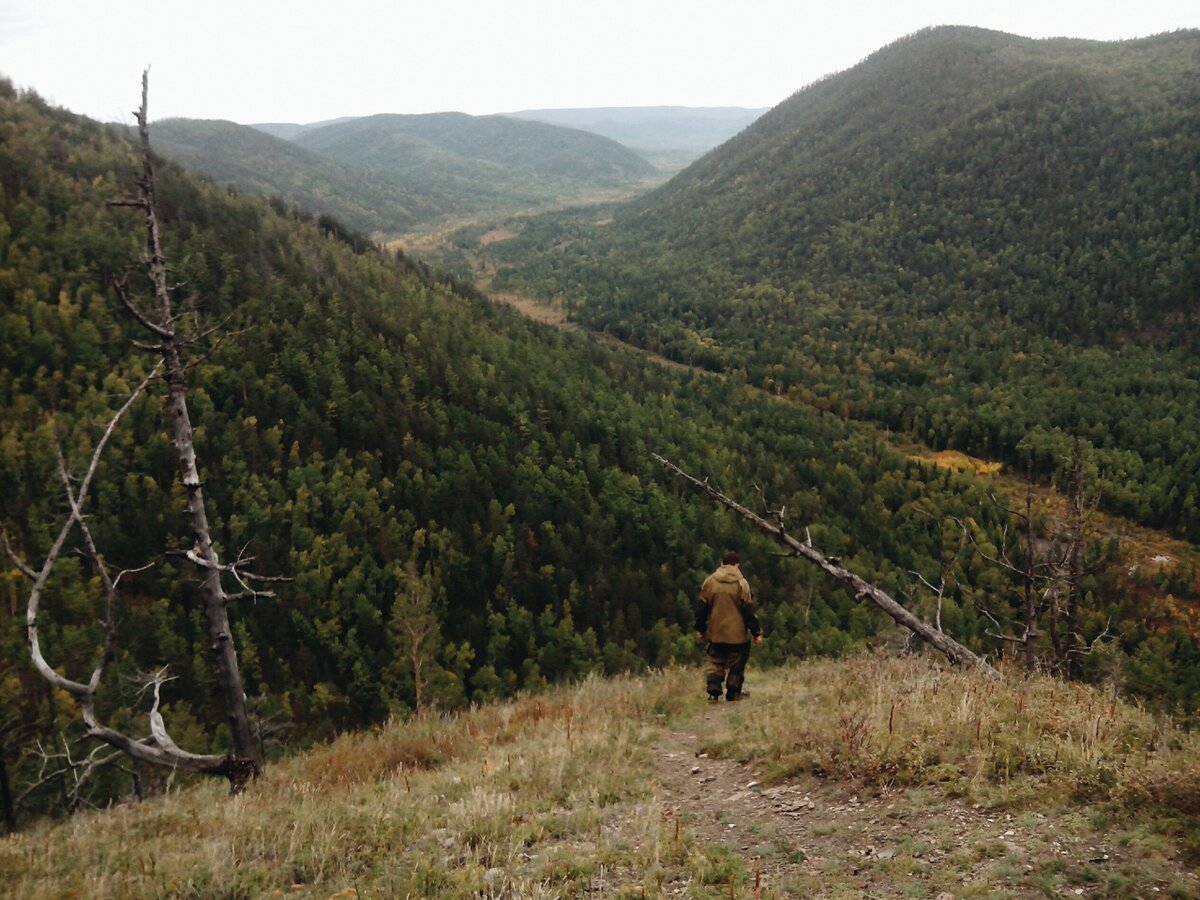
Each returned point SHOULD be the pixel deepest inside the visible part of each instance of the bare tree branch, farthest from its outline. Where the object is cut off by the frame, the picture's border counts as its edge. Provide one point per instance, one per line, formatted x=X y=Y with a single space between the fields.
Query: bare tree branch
x=75 y=689
x=137 y=204
x=209 y=332
x=953 y=651
x=16 y=560
x=118 y=285
x=79 y=771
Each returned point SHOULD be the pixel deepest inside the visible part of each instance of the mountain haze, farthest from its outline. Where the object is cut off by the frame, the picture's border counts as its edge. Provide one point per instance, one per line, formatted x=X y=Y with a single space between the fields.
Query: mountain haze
x=366 y=420
x=289 y=130
x=665 y=135
x=407 y=452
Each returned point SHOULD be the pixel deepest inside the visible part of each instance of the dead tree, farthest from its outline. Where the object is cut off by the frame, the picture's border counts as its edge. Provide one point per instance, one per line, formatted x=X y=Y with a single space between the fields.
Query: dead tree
x=169 y=344
x=1048 y=573
x=1069 y=568
x=162 y=326
x=955 y=652
x=1030 y=577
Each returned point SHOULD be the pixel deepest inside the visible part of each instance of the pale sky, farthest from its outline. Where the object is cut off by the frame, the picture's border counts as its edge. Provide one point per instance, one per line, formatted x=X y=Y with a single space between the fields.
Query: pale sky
x=305 y=61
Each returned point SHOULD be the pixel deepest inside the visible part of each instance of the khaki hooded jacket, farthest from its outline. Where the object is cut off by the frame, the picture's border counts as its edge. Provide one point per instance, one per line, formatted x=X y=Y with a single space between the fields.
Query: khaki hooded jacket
x=725 y=613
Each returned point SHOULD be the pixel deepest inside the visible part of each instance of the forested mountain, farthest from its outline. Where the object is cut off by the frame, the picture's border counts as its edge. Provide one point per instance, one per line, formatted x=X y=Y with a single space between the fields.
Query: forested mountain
x=365 y=418
x=535 y=148
x=986 y=241
x=475 y=164
x=665 y=135
x=386 y=175
x=255 y=161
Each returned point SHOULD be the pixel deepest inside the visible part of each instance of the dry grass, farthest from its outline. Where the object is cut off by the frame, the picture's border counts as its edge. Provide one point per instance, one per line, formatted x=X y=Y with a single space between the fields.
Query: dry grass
x=880 y=721
x=515 y=799
x=555 y=795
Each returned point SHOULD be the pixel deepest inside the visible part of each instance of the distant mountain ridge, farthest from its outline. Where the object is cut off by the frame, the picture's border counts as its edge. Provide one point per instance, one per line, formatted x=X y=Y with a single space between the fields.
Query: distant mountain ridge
x=390 y=173
x=663 y=134
x=289 y=130
x=534 y=148
x=256 y=161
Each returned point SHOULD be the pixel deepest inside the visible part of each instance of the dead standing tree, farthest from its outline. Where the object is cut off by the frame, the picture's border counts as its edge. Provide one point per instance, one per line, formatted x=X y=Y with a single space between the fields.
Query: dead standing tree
x=955 y=652
x=158 y=749
x=1047 y=562
x=1048 y=568
x=1029 y=578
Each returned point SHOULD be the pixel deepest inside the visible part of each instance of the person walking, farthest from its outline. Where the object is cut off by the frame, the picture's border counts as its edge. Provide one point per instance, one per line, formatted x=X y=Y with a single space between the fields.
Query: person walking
x=725 y=617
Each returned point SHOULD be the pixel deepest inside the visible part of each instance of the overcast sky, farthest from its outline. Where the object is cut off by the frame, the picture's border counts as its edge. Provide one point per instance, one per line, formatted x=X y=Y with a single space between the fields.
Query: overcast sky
x=306 y=60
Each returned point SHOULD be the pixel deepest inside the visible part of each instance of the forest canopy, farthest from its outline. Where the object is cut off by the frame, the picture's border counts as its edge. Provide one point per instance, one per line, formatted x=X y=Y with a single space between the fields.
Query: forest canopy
x=402 y=448
x=987 y=242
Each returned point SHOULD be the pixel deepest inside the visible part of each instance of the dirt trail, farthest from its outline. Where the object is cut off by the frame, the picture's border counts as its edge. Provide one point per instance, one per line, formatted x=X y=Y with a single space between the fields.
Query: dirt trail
x=816 y=838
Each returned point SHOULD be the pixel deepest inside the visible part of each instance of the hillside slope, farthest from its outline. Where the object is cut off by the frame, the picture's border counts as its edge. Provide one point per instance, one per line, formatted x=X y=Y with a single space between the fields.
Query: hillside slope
x=367 y=416
x=481 y=163
x=984 y=240
x=909 y=781
x=253 y=160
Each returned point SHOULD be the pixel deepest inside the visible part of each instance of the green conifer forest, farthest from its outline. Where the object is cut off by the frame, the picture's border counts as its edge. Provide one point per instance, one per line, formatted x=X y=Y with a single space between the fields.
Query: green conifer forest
x=987 y=242
x=1007 y=266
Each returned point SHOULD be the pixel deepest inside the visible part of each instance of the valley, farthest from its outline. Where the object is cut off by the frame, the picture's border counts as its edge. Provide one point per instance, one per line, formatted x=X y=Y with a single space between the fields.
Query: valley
x=940 y=307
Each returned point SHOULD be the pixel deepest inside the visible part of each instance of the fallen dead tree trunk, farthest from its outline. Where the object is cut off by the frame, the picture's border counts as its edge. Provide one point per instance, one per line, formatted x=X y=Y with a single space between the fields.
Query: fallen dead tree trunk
x=935 y=637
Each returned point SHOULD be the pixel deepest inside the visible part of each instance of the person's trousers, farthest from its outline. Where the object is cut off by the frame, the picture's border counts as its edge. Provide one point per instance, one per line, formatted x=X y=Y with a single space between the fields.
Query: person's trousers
x=726 y=666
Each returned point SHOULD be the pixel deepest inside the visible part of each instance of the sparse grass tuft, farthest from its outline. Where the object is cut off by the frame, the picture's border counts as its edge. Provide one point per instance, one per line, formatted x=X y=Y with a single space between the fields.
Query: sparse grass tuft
x=874 y=720
x=555 y=796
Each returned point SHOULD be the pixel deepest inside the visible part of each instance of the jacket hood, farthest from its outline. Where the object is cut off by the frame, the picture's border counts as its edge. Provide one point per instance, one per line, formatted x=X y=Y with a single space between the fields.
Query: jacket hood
x=728 y=574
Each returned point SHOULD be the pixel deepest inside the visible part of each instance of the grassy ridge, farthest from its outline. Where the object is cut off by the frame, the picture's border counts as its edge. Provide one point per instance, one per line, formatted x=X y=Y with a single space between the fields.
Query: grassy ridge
x=557 y=795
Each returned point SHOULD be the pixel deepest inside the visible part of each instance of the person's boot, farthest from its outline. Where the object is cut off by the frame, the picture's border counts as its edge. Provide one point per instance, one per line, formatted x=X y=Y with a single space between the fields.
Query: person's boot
x=714 y=685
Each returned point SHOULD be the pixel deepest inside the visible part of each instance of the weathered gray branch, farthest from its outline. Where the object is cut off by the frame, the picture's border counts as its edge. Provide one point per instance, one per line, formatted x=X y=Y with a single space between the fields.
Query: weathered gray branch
x=222 y=651
x=950 y=648
x=80 y=770
x=77 y=498
x=163 y=751
x=15 y=558
x=131 y=307
x=159 y=749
